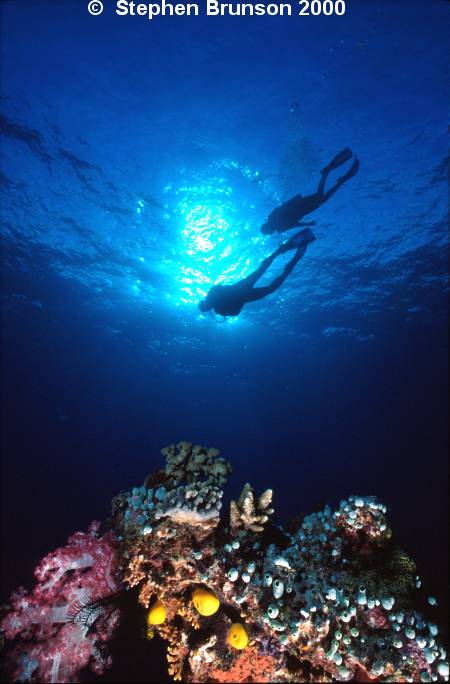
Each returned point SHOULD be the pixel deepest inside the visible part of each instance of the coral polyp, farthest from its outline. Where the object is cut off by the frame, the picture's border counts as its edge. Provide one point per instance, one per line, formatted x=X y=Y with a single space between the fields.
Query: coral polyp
x=236 y=597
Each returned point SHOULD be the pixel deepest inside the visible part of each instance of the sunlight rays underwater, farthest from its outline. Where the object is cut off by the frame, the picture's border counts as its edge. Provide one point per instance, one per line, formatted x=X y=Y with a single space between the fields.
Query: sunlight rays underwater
x=216 y=216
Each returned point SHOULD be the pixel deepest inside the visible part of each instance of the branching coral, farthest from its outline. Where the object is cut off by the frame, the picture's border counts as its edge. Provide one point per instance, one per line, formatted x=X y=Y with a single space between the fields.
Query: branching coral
x=248 y=514
x=177 y=649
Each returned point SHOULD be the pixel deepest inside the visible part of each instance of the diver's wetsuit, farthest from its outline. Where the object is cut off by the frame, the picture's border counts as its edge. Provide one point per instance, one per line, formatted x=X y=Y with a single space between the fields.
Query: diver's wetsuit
x=289 y=214
x=228 y=300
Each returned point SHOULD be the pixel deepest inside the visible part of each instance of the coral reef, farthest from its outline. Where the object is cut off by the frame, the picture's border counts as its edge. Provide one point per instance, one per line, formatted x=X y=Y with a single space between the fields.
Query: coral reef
x=237 y=598
x=332 y=598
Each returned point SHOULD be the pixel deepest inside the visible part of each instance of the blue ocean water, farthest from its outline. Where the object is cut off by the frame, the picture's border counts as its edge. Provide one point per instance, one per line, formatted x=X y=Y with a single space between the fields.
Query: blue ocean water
x=139 y=160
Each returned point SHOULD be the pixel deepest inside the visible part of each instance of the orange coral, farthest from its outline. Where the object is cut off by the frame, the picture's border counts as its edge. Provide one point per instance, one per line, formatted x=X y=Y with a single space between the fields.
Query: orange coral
x=135 y=572
x=187 y=613
x=248 y=666
x=177 y=649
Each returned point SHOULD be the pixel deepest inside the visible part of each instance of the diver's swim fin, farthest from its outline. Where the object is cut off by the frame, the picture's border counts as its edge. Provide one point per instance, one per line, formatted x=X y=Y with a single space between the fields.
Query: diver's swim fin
x=353 y=170
x=338 y=160
x=300 y=239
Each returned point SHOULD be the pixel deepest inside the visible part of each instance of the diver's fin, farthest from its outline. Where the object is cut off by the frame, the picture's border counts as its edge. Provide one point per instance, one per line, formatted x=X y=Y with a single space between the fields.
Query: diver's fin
x=300 y=239
x=353 y=170
x=338 y=160
x=304 y=237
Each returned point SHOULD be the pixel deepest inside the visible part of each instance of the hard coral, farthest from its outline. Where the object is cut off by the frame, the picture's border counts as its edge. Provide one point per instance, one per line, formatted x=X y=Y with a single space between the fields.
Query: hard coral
x=249 y=515
x=185 y=462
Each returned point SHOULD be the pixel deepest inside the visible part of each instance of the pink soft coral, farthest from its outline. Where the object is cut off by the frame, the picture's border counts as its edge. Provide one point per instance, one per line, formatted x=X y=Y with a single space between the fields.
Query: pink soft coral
x=62 y=626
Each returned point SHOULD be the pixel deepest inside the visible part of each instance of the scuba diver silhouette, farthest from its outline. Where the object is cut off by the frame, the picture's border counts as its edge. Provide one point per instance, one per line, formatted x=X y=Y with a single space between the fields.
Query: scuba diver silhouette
x=228 y=300
x=289 y=214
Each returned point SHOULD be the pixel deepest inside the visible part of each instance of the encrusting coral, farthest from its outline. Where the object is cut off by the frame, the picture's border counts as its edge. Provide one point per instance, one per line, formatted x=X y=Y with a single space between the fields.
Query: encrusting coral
x=241 y=599
x=249 y=666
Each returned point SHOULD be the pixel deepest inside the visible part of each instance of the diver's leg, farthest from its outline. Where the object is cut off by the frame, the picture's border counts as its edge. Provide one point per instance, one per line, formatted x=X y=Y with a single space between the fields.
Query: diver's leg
x=321 y=186
x=299 y=240
x=251 y=279
x=353 y=170
x=260 y=292
x=338 y=160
